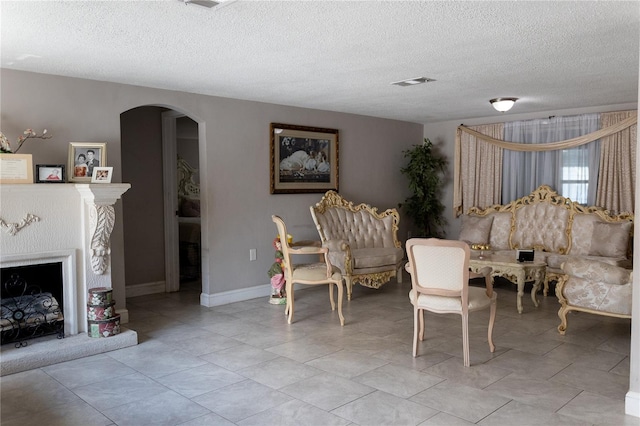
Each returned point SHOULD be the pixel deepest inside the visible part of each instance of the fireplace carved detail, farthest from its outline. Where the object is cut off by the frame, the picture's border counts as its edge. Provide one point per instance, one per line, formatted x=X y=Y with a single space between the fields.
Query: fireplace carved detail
x=102 y=218
x=13 y=228
x=100 y=199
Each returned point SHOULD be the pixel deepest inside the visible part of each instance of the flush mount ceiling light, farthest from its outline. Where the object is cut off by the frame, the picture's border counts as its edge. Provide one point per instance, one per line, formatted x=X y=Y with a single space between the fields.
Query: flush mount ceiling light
x=413 y=81
x=503 y=104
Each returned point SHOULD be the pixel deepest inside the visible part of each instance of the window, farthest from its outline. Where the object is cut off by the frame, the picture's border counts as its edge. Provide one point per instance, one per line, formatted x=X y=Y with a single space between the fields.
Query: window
x=573 y=173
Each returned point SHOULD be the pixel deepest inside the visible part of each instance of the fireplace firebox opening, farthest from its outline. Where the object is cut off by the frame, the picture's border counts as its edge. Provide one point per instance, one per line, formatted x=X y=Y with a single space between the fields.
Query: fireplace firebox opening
x=32 y=302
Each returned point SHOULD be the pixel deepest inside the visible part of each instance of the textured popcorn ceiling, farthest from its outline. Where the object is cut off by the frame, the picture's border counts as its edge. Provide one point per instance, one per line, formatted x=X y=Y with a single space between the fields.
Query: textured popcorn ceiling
x=342 y=55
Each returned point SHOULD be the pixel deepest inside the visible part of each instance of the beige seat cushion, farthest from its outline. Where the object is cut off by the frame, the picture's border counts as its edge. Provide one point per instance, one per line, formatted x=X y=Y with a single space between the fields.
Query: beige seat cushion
x=375 y=257
x=314 y=272
x=478 y=299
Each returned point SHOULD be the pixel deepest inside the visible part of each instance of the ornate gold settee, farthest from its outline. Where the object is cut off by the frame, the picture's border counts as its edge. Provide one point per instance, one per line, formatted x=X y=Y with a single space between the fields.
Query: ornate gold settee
x=362 y=242
x=556 y=227
x=593 y=287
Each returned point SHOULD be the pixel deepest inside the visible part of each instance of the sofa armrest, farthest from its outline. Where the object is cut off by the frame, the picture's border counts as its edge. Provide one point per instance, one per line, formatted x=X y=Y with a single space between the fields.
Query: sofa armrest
x=339 y=254
x=597 y=271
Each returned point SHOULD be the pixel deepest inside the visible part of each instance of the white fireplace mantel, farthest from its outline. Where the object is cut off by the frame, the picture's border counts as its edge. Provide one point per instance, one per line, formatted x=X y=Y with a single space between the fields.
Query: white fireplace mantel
x=77 y=217
x=72 y=224
x=102 y=194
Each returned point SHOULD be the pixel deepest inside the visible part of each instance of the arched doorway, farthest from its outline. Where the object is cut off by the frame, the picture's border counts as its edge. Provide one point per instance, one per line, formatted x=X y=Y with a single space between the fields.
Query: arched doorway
x=150 y=171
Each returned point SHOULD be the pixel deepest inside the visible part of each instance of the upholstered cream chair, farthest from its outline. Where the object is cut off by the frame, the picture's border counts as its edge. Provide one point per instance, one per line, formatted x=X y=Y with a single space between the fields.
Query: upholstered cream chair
x=309 y=273
x=593 y=287
x=440 y=283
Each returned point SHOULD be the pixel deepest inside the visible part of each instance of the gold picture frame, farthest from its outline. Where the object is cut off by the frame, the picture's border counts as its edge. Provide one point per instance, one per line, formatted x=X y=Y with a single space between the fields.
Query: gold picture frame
x=16 y=168
x=83 y=157
x=303 y=159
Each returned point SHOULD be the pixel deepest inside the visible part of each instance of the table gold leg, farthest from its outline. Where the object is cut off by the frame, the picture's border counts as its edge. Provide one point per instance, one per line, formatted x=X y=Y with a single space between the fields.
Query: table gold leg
x=520 y=282
x=536 y=287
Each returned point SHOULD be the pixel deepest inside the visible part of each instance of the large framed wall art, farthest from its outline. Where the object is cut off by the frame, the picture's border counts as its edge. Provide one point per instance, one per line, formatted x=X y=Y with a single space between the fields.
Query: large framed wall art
x=303 y=159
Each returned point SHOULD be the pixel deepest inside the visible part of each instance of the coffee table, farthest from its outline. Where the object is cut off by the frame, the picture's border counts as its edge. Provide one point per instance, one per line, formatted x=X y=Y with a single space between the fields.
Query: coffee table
x=504 y=264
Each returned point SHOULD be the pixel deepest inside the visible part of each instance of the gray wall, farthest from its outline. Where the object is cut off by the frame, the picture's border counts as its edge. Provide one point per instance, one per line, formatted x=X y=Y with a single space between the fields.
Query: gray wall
x=234 y=162
x=443 y=134
x=143 y=215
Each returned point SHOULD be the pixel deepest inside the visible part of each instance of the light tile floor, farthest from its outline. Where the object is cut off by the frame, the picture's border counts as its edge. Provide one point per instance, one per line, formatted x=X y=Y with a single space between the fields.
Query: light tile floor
x=243 y=364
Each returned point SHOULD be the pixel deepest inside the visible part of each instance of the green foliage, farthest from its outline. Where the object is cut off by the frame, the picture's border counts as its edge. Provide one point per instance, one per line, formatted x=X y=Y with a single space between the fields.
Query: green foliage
x=424 y=172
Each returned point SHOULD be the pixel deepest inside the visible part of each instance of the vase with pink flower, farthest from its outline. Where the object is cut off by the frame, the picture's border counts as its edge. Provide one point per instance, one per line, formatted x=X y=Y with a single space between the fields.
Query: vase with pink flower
x=276 y=274
x=5 y=145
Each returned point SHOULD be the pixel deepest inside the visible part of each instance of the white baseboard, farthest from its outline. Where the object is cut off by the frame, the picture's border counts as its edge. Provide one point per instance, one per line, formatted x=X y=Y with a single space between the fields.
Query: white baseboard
x=240 y=295
x=144 y=289
x=232 y=296
x=124 y=315
x=207 y=300
x=632 y=404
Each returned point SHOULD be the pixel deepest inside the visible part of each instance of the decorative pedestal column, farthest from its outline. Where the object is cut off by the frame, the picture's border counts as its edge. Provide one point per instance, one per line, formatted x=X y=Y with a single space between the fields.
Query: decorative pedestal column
x=98 y=216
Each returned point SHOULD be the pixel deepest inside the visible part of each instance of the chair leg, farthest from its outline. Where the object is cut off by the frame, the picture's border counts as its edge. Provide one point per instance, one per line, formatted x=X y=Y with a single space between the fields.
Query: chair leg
x=333 y=304
x=421 y=325
x=562 y=313
x=286 y=306
x=417 y=315
x=399 y=275
x=349 y=285
x=340 y=296
x=465 y=339
x=290 y=303
x=492 y=320
x=546 y=286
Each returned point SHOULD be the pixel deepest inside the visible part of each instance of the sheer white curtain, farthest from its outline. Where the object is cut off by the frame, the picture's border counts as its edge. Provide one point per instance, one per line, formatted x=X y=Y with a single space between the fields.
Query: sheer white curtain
x=523 y=172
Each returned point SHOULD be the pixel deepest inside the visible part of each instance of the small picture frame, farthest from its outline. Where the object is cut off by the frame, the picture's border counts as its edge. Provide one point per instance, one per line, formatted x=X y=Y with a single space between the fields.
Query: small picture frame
x=102 y=175
x=525 y=255
x=16 y=168
x=84 y=157
x=50 y=173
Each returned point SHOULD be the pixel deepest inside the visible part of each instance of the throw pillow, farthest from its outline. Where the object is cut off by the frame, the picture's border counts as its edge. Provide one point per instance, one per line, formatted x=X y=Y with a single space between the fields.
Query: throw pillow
x=610 y=239
x=476 y=229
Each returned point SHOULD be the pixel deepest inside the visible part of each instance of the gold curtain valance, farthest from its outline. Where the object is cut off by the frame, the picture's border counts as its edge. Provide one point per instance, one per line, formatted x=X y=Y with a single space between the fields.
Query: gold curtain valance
x=569 y=143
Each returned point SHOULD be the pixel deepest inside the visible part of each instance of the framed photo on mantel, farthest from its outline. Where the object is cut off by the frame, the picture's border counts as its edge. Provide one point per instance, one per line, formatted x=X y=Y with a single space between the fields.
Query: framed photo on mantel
x=102 y=175
x=50 y=173
x=303 y=159
x=83 y=158
x=16 y=168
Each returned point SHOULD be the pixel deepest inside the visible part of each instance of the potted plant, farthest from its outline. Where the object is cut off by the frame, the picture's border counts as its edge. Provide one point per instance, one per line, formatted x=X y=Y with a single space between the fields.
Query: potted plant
x=425 y=170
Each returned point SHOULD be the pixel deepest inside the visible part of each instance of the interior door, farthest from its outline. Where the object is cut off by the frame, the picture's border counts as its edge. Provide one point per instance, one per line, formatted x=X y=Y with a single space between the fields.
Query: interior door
x=171 y=232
